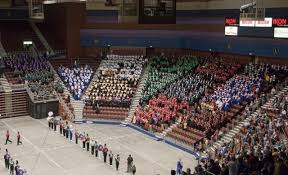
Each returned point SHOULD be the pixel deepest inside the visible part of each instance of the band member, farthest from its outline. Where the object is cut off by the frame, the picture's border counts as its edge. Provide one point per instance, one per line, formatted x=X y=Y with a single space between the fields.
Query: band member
x=83 y=141
x=76 y=136
x=96 y=149
x=61 y=126
x=117 y=160
x=88 y=142
x=19 y=138
x=111 y=157
x=7 y=137
x=105 y=151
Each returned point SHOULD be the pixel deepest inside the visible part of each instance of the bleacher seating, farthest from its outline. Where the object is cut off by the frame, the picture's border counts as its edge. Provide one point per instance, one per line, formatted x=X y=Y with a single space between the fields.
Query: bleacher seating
x=164 y=71
x=114 y=88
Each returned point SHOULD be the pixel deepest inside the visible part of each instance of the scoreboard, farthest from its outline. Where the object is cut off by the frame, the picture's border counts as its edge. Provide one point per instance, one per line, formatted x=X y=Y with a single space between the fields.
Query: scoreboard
x=276 y=27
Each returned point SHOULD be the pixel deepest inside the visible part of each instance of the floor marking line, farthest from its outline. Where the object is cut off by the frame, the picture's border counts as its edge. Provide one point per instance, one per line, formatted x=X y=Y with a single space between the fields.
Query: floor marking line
x=37 y=149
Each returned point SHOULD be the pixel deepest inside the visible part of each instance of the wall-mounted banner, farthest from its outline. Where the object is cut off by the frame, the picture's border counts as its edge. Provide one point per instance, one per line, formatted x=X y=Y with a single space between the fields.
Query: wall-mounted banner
x=280 y=32
x=231 y=30
x=267 y=22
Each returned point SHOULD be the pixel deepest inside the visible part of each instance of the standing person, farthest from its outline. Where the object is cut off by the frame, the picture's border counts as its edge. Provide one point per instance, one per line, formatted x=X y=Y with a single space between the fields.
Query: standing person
x=11 y=166
x=88 y=142
x=64 y=130
x=19 y=138
x=76 y=136
x=232 y=165
x=179 y=167
x=51 y=122
x=60 y=126
x=17 y=168
x=71 y=133
x=83 y=140
x=67 y=131
x=105 y=151
x=133 y=169
x=96 y=147
x=129 y=163
x=55 y=123
x=7 y=137
x=111 y=157
x=6 y=159
x=117 y=160
x=92 y=143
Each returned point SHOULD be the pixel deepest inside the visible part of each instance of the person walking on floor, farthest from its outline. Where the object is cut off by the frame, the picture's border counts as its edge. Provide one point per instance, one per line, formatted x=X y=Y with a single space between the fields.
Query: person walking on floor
x=19 y=138
x=6 y=159
x=7 y=137
x=111 y=158
x=129 y=163
x=117 y=161
x=105 y=151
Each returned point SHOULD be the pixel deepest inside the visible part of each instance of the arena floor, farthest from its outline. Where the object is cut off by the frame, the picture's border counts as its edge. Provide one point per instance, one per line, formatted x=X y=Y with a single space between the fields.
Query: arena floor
x=45 y=152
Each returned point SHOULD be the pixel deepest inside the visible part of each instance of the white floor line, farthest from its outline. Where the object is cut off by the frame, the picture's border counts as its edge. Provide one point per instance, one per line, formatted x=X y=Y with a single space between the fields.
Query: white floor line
x=142 y=155
x=45 y=124
x=37 y=149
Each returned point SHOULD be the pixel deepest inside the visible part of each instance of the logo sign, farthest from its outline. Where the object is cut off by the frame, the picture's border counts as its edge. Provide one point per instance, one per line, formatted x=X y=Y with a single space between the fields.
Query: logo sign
x=277 y=22
x=267 y=22
x=280 y=32
x=231 y=30
x=231 y=21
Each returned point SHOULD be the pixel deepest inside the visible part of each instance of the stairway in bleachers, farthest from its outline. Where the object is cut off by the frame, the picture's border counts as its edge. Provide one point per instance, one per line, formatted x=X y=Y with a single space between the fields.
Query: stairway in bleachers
x=13 y=102
x=41 y=37
x=57 y=79
x=2 y=50
x=231 y=134
x=137 y=97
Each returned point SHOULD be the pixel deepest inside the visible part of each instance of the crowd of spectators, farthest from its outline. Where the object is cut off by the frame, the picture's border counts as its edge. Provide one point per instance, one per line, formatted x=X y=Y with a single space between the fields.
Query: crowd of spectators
x=24 y=63
x=117 y=82
x=259 y=147
x=76 y=79
x=190 y=88
x=35 y=72
x=160 y=111
x=164 y=71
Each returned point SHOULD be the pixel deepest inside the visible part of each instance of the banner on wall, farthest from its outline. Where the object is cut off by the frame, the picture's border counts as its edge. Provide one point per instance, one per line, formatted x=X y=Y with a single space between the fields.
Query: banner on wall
x=231 y=30
x=267 y=22
x=280 y=32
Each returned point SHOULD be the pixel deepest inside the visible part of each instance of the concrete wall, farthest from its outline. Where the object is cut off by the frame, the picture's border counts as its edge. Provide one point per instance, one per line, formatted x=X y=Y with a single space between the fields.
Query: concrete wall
x=227 y=4
x=196 y=5
x=189 y=40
